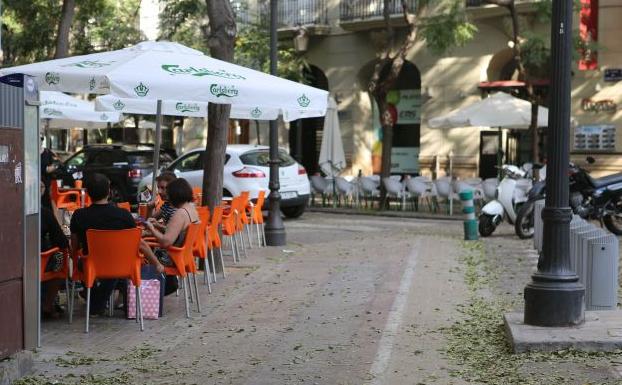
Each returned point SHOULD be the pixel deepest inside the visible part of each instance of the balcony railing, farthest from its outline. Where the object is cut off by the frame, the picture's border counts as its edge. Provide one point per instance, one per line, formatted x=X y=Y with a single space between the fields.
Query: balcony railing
x=294 y=13
x=475 y=3
x=367 y=9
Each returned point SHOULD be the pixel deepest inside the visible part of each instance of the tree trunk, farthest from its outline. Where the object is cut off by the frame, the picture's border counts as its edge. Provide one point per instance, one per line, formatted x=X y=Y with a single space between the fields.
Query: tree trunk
x=385 y=75
x=62 y=37
x=221 y=42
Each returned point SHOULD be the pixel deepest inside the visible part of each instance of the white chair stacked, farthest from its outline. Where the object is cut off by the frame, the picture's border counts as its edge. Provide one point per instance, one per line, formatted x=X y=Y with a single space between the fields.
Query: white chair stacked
x=370 y=189
x=319 y=185
x=396 y=190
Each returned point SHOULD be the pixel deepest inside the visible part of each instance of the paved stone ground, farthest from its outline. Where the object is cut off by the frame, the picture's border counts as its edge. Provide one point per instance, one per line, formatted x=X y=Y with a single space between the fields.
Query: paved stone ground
x=349 y=300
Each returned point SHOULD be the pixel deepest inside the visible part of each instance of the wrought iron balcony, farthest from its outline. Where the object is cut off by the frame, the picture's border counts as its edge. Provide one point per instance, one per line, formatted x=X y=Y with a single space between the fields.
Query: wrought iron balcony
x=475 y=3
x=294 y=13
x=369 y=9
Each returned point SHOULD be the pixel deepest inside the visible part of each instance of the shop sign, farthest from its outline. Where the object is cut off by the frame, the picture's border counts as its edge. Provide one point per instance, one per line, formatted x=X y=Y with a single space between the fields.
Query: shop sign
x=613 y=74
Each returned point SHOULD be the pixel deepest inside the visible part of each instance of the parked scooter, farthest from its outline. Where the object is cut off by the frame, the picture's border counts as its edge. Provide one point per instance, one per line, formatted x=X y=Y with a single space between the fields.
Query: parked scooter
x=590 y=198
x=511 y=193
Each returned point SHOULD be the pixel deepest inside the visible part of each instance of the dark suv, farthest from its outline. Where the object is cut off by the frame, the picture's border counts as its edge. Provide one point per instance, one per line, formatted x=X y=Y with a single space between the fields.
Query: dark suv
x=124 y=165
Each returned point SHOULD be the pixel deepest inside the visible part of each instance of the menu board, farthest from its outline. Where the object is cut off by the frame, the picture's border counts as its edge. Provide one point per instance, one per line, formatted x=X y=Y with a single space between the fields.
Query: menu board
x=595 y=137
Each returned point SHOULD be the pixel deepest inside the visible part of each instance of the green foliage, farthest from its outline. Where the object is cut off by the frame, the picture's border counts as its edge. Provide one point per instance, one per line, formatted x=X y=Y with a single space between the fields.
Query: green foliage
x=29 y=28
x=185 y=21
x=104 y=25
x=447 y=29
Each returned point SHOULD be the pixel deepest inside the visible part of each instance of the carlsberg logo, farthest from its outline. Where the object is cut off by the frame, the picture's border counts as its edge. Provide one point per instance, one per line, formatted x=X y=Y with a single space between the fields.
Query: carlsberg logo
x=175 y=69
x=187 y=107
x=52 y=78
x=219 y=90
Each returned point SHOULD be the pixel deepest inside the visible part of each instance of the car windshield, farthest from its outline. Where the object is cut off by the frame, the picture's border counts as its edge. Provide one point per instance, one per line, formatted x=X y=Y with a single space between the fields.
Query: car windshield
x=262 y=158
x=76 y=160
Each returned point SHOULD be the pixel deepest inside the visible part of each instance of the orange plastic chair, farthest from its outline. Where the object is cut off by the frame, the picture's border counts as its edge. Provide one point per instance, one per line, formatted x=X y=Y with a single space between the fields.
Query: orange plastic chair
x=230 y=226
x=213 y=239
x=122 y=261
x=183 y=262
x=68 y=200
x=243 y=220
x=197 y=194
x=199 y=248
x=124 y=206
x=256 y=216
x=61 y=274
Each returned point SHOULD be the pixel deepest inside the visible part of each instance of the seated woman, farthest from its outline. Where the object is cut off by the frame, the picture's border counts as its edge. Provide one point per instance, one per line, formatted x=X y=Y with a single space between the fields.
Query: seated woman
x=162 y=215
x=180 y=196
x=51 y=236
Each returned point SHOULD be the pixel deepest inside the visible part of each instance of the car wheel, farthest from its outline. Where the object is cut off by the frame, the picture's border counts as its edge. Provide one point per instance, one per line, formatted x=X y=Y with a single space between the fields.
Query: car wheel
x=294 y=211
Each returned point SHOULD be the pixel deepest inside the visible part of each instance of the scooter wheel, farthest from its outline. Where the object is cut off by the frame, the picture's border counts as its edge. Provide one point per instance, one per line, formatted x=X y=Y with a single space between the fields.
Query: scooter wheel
x=486 y=225
x=524 y=225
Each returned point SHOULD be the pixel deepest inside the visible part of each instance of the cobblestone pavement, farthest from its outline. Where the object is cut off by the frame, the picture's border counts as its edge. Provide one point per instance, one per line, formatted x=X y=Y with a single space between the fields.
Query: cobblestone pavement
x=349 y=300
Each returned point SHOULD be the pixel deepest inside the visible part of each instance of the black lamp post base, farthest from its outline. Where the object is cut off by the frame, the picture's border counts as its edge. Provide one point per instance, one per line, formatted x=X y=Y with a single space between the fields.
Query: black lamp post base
x=275 y=236
x=554 y=303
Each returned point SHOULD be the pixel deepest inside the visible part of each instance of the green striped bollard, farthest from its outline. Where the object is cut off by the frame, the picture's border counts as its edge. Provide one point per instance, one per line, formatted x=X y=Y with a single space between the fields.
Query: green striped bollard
x=470 y=223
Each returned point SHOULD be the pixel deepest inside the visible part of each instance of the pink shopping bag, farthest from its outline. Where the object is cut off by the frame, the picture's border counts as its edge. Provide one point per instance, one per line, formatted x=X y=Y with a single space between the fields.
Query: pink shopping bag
x=150 y=296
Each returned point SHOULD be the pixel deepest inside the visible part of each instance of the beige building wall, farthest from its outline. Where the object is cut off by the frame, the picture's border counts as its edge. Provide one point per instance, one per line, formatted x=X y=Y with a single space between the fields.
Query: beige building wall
x=590 y=84
x=451 y=82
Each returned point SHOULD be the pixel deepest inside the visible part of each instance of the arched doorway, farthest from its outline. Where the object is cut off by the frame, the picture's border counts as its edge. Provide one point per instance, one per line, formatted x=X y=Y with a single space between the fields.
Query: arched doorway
x=405 y=104
x=305 y=135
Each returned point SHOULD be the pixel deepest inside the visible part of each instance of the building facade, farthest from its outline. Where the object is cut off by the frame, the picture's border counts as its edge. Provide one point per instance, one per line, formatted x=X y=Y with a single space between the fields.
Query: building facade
x=342 y=46
x=340 y=40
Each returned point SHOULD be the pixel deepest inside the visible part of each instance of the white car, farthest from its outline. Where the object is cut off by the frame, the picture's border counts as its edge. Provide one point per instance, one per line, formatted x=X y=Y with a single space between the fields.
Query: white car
x=247 y=169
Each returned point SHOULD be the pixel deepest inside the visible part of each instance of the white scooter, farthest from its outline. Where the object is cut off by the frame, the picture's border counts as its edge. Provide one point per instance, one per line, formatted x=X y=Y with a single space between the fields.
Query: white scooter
x=511 y=193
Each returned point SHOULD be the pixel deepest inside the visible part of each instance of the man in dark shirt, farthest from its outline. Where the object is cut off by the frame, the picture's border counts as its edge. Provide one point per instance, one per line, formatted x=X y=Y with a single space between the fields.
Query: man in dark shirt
x=101 y=215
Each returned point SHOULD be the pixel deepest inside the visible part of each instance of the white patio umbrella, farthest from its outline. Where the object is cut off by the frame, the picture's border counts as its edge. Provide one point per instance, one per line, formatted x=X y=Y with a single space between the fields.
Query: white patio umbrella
x=499 y=110
x=63 y=111
x=332 y=157
x=179 y=108
x=169 y=71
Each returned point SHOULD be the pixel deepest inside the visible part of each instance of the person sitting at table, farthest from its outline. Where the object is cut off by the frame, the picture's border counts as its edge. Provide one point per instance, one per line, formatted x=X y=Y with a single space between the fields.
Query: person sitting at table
x=102 y=215
x=180 y=196
x=166 y=211
x=51 y=236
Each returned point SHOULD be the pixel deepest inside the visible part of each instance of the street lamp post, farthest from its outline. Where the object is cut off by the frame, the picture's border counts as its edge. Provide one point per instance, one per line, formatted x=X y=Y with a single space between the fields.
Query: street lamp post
x=275 y=231
x=555 y=297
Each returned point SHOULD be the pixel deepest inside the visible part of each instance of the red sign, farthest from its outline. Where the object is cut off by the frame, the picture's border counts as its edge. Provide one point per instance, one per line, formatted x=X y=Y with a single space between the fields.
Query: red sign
x=588 y=31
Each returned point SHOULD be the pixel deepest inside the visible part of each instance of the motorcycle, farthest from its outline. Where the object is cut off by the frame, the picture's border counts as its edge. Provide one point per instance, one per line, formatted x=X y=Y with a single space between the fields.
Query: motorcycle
x=590 y=198
x=510 y=195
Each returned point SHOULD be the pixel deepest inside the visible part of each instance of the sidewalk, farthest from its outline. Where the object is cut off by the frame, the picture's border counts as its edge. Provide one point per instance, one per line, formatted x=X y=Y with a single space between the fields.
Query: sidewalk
x=350 y=300
x=395 y=213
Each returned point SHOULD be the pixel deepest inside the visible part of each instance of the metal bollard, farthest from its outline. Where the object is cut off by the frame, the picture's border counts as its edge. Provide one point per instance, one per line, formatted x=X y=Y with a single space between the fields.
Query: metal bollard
x=470 y=223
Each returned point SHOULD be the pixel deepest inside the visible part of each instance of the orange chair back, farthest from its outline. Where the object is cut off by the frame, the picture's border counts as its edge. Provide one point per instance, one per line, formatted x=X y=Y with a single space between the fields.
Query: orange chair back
x=182 y=257
x=49 y=275
x=244 y=200
x=257 y=209
x=54 y=190
x=214 y=237
x=200 y=245
x=112 y=254
x=124 y=206
x=197 y=194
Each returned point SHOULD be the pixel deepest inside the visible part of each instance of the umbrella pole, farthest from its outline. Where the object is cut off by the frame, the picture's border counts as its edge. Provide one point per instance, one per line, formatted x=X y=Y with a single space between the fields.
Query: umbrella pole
x=48 y=136
x=499 y=154
x=156 y=148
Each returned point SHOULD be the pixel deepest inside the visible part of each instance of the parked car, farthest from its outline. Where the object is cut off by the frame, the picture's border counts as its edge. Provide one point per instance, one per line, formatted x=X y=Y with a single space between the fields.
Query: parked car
x=124 y=165
x=247 y=169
